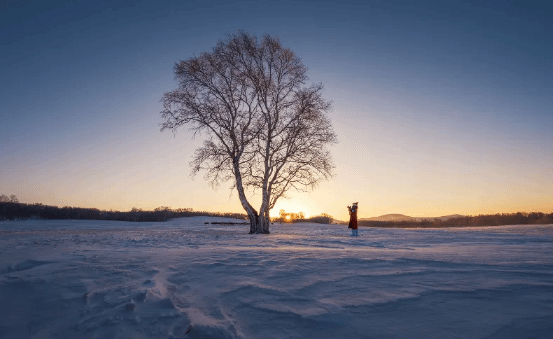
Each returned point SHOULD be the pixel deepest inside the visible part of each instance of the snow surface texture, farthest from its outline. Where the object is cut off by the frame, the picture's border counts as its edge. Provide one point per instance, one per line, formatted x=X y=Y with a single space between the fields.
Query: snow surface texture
x=186 y=279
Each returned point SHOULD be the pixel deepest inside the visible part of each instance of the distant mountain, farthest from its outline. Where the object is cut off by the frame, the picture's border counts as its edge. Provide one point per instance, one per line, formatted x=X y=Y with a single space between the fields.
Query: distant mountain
x=402 y=217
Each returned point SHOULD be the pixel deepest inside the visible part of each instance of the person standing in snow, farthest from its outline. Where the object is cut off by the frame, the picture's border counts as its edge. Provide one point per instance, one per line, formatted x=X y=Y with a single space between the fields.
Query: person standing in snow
x=353 y=219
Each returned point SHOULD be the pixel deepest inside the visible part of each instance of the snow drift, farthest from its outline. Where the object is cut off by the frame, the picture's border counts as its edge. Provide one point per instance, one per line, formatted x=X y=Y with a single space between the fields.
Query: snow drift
x=188 y=279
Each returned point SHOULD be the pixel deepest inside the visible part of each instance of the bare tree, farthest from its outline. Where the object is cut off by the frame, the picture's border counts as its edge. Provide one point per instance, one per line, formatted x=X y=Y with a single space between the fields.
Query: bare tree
x=12 y=198
x=266 y=130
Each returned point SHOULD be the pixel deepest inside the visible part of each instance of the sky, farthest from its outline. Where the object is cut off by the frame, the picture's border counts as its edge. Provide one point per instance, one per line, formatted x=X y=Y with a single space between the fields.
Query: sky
x=441 y=107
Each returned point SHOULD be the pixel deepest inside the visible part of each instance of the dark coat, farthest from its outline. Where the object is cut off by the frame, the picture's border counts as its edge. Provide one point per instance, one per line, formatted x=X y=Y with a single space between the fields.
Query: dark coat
x=353 y=218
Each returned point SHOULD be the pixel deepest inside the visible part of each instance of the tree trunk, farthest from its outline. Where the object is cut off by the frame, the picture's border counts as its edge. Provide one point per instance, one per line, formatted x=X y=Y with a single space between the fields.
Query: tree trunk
x=254 y=222
x=264 y=220
x=252 y=213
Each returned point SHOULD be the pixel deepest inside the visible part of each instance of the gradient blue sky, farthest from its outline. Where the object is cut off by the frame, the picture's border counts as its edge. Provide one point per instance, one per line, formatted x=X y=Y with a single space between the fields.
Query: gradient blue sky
x=440 y=108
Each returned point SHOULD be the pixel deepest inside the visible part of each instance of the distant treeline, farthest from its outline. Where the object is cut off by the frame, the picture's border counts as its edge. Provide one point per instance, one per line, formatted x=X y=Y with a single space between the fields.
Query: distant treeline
x=519 y=218
x=299 y=217
x=320 y=219
x=10 y=210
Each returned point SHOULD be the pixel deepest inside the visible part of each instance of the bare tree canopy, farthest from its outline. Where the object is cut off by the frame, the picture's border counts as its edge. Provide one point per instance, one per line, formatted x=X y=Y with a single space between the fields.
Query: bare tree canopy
x=12 y=198
x=265 y=128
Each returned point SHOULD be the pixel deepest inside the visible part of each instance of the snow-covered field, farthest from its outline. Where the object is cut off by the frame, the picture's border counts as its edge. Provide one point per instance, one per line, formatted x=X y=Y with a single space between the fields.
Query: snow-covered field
x=185 y=279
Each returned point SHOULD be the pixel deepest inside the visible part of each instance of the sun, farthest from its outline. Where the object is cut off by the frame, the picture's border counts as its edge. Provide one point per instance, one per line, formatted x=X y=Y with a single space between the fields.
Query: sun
x=293 y=205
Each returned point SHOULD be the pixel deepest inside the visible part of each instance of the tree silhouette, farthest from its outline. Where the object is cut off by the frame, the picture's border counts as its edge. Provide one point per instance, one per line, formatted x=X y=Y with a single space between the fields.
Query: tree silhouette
x=266 y=130
x=12 y=198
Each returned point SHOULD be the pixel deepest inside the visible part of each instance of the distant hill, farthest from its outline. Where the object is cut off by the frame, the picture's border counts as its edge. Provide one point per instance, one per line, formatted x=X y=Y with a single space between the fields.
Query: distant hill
x=402 y=217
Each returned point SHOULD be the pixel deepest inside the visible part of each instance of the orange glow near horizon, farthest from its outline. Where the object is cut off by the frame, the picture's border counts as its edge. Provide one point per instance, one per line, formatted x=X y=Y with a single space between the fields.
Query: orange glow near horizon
x=331 y=197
